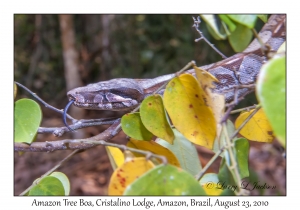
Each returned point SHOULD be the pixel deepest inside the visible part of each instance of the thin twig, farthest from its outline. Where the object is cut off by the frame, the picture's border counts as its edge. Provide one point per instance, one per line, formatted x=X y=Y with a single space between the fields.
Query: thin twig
x=59 y=131
x=265 y=48
x=209 y=163
x=243 y=109
x=240 y=97
x=123 y=147
x=226 y=114
x=196 y=26
x=185 y=68
x=43 y=102
x=233 y=166
x=245 y=121
x=50 y=171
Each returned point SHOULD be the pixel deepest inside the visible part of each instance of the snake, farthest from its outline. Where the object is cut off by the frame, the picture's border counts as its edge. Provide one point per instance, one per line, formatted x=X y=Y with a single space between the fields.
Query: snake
x=241 y=69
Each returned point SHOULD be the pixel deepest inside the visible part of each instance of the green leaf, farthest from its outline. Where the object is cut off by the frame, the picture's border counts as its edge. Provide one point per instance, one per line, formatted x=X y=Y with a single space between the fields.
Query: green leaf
x=241 y=146
x=165 y=180
x=48 y=186
x=27 y=119
x=64 y=180
x=185 y=152
x=246 y=20
x=225 y=175
x=264 y=18
x=213 y=28
x=228 y=21
x=154 y=118
x=240 y=38
x=271 y=92
x=132 y=126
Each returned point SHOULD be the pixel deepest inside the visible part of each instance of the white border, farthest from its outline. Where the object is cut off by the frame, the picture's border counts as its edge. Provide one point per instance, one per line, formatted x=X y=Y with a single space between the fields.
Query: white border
x=8 y=8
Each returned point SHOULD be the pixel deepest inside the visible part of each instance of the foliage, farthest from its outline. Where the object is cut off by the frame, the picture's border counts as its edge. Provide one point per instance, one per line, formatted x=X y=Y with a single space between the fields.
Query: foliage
x=237 y=28
x=180 y=124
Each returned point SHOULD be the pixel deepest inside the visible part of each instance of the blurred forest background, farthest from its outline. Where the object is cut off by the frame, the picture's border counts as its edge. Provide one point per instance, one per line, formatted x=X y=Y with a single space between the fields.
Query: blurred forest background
x=55 y=53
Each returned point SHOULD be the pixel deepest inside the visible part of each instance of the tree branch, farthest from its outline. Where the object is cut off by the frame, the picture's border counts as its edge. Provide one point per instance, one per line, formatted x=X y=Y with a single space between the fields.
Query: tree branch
x=67 y=144
x=59 y=131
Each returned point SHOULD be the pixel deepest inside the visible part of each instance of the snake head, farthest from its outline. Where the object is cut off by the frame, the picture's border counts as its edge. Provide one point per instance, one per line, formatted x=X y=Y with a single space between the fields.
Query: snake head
x=115 y=95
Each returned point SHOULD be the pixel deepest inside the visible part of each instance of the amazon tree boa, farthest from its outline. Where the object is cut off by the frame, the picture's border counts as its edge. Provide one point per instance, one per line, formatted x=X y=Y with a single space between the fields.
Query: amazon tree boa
x=241 y=69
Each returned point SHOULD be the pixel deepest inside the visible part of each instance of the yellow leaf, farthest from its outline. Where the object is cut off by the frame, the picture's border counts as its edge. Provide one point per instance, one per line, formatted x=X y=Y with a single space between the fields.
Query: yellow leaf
x=212 y=188
x=257 y=128
x=205 y=78
x=115 y=155
x=155 y=148
x=127 y=173
x=211 y=184
x=214 y=100
x=184 y=101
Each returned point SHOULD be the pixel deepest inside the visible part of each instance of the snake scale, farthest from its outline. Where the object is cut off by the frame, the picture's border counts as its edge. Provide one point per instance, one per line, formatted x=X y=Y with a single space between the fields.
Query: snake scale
x=123 y=94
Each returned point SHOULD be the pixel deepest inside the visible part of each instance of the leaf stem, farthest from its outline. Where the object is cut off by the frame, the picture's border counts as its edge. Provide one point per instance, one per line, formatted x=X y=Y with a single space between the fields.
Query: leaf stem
x=243 y=109
x=209 y=163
